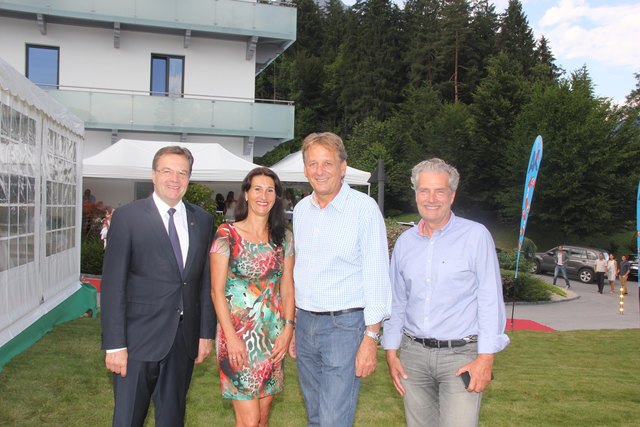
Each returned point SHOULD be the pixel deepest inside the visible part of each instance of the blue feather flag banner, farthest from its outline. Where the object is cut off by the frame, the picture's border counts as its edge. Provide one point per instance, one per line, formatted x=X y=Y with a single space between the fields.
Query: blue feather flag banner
x=529 y=185
x=638 y=224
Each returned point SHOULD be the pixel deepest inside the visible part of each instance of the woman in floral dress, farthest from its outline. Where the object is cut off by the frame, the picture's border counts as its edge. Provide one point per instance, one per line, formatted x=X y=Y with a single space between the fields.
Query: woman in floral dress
x=252 y=290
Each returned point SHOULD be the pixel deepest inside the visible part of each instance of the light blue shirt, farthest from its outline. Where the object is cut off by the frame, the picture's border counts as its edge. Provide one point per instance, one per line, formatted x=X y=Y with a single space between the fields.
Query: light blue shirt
x=342 y=259
x=447 y=287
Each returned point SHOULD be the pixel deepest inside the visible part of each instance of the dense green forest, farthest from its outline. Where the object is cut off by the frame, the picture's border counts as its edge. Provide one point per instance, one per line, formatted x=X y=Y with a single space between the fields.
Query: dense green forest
x=456 y=80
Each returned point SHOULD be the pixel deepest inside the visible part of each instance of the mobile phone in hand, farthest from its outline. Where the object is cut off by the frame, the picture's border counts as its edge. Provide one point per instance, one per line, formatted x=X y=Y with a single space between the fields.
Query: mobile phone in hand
x=466 y=378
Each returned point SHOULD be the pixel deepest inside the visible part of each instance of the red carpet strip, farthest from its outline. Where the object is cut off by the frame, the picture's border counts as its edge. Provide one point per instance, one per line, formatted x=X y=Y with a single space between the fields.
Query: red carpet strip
x=526 y=325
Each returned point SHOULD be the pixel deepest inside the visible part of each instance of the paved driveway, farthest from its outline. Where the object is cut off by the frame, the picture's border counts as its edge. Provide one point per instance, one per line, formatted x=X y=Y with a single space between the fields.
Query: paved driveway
x=588 y=310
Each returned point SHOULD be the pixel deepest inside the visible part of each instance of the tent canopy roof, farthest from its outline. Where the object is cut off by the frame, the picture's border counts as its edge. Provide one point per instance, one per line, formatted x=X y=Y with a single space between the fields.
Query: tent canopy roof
x=17 y=85
x=291 y=169
x=131 y=159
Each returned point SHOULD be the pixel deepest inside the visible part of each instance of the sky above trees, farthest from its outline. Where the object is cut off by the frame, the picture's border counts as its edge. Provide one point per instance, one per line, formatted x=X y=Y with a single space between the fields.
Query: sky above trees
x=601 y=34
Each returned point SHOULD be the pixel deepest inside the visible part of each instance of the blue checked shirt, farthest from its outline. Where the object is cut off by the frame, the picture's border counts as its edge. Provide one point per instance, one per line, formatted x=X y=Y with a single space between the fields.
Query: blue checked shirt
x=342 y=260
x=447 y=287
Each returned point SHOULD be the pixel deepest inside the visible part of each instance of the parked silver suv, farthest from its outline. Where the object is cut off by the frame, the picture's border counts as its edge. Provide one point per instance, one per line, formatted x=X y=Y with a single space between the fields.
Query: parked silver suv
x=580 y=263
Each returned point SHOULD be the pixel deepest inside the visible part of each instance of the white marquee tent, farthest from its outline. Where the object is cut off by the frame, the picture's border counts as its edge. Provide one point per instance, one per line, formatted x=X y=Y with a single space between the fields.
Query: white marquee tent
x=40 y=214
x=131 y=159
x=111 y=173
x=291 y=169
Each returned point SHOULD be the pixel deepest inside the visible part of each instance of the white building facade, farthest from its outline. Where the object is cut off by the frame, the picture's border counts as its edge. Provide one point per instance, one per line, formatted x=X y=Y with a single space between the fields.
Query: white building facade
x=162 y=70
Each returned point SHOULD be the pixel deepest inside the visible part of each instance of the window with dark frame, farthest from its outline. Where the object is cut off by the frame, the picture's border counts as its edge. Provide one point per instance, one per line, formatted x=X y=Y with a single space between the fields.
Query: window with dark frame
x=167 y=75
x=43 y=65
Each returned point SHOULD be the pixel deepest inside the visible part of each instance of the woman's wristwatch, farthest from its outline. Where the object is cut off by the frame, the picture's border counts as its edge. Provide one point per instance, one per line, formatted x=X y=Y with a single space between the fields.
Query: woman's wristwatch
x=290 y=322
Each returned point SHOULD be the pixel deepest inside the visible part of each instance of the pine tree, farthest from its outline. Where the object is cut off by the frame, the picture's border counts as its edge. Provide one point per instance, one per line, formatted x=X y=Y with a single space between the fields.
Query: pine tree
x=371 y=68
x=496 y=104
x=516 y=37
x=422 y=28
x=454 y=46
x=546 y=59
x=482 y=39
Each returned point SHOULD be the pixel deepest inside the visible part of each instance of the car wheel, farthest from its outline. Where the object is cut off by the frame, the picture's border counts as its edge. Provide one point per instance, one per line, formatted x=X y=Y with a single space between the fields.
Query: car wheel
x=535 y=268
x=585 y=275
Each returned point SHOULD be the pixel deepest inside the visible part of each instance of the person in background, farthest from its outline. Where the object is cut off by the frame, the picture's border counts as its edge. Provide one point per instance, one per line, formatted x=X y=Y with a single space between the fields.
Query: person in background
x=612 y=272
x=448 y=316
x=252 y=291
x=108 y=214
x=600 y=267
x=88 y=197
x=157 y=315
x=625 y=269
x=341 y=278
x=220 y=203
x=289 y=200
x=103 y=233
x=230 y=207
x=561 y=257
x=87 y=217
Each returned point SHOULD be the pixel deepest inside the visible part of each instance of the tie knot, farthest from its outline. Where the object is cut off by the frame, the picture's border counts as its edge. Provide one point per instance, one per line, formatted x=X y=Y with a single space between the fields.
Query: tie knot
x=171 y=211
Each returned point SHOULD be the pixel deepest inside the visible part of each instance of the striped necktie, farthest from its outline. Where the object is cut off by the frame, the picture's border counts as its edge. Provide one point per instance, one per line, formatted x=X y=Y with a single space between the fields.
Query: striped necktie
x=175 y=240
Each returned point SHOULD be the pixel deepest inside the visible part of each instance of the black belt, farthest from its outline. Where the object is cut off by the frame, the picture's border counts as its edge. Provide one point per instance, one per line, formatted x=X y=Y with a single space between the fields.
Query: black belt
x=434 y=343
x=334 y=313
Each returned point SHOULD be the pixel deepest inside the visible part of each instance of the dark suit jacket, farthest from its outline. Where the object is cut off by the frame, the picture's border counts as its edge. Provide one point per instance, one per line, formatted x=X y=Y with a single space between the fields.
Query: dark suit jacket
x=142 y=291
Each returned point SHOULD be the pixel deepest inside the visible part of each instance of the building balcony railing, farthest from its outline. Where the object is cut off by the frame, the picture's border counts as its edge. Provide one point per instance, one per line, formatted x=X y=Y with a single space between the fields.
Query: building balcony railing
x=191 y=114
x=238 y=17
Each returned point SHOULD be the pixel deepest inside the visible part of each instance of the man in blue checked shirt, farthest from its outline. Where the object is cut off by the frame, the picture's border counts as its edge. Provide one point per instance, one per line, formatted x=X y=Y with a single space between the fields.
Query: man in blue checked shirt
x=448 y=315
x=342 y=286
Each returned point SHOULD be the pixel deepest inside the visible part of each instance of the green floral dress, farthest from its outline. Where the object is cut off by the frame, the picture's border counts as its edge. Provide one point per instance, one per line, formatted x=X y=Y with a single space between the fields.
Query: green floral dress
x=252 y=293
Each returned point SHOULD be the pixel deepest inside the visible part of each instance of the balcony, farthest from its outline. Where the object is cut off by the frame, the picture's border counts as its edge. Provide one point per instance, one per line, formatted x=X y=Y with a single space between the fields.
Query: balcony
x=269 y=27
x=191 y=114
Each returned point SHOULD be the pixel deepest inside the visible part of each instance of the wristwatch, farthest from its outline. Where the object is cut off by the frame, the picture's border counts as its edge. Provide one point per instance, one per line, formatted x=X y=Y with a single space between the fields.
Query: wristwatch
x=373 y=335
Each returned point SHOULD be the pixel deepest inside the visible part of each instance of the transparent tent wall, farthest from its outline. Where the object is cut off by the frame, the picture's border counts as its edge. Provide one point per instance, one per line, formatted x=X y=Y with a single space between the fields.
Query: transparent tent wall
x=39 y=212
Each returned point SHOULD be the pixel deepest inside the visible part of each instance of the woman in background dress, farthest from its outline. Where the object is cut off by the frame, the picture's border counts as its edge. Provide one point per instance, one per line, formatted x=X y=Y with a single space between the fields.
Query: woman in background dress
x=612 y=272
x=230 y=207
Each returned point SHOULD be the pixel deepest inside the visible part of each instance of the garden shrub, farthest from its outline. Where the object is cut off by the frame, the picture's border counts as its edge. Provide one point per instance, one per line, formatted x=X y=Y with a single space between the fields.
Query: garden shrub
x=507 y=261
x=526 y=287
x=394 y=230
x=91 y=255
x=529 y=249
x=201 y=195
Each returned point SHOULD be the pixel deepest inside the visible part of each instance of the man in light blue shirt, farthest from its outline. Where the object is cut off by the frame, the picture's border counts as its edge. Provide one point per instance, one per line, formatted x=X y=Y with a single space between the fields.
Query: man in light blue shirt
x=342 y=286
x=448 y=316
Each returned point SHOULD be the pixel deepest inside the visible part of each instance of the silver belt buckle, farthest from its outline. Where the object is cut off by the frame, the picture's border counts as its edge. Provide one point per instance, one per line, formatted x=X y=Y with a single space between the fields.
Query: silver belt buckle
x=470 y=338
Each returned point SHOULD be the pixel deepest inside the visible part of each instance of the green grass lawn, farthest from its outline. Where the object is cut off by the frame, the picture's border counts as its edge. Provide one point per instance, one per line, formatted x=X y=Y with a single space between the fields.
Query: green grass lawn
x=582 y=378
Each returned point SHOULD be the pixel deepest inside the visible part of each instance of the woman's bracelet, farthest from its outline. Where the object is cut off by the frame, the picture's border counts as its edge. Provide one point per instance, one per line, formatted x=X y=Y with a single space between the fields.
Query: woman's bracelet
x=290 y=322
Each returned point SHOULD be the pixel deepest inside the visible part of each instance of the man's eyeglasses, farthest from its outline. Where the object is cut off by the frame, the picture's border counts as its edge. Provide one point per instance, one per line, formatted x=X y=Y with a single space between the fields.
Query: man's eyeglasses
x=166 y=172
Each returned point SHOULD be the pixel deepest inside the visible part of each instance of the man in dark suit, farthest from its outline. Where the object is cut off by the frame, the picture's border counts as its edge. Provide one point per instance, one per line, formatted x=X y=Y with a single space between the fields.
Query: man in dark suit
x=157 y=314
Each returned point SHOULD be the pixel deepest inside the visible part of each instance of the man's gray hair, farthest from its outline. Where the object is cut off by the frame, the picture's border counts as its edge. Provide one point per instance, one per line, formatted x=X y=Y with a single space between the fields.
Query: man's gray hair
x=435 y=165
